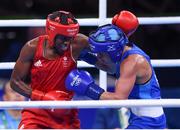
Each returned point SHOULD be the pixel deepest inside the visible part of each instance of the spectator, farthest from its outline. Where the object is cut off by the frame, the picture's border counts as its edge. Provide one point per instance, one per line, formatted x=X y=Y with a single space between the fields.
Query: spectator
x=9 y=119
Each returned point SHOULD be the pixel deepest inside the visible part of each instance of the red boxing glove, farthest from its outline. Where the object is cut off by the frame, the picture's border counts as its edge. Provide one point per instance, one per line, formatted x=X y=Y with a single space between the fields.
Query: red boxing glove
x=52 y=95
x=55 y=95
x=126 y=21
x=37 y=95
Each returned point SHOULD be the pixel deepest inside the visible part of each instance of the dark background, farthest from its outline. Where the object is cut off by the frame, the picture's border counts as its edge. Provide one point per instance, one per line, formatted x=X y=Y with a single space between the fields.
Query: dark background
x=158 y=41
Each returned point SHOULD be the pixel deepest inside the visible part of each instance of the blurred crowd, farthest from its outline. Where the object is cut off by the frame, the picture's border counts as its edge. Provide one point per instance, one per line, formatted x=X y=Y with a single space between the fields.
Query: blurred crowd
x=9 y=118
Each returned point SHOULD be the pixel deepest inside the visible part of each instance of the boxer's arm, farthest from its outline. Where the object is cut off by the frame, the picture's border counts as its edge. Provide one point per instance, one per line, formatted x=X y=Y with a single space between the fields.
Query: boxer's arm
x=126 y=81
x=81 y=49
x=21 y=69
x=87 y=56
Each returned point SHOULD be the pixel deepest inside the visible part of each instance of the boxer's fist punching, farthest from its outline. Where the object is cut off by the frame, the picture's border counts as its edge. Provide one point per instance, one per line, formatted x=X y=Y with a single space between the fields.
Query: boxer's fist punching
x=126 y=21
x=54 y=95
x=82 y=83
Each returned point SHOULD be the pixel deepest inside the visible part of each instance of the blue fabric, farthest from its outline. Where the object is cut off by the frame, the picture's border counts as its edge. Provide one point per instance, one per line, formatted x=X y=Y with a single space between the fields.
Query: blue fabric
x=94 y=91
x=149 y=90
x=136 y=122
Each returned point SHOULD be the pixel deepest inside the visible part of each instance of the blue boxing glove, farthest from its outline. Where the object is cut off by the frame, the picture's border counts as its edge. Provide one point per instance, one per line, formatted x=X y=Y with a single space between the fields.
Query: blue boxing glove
x=87 y=56
x=82 y=83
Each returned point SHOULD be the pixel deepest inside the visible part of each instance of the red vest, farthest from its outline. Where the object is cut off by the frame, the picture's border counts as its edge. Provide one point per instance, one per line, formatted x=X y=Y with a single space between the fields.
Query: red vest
x=47 y=75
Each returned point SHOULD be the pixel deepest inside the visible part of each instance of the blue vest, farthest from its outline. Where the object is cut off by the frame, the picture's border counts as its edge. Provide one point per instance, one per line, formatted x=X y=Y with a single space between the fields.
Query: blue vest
x=149 y=90
x=144 y=117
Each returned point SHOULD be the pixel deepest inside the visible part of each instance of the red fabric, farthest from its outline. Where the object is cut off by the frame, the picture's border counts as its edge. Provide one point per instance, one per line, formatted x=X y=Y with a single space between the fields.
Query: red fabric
x=41 y=119
x=49 y=75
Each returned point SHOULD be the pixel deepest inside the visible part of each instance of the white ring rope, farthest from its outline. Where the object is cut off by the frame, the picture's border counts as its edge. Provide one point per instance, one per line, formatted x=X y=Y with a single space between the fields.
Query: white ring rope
x=89 y=21
x=91 y=104
x=82 y=64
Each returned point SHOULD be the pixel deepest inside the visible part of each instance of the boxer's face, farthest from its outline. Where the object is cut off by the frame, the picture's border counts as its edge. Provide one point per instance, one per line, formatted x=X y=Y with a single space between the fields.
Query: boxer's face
x=62 y=43
x=104 y=57
x=106 y=63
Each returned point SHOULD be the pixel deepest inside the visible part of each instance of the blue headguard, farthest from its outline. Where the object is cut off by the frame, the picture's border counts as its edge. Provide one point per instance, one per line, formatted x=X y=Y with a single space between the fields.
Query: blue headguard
x=108 y=38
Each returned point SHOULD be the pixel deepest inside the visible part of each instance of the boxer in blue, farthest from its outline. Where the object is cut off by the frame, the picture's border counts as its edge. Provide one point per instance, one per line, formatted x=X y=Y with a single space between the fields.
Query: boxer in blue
x=136 y=78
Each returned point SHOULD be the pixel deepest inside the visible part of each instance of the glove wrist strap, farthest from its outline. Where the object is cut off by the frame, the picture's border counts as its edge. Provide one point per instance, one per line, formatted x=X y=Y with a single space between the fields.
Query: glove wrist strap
x=37 y=95
x=94 y=91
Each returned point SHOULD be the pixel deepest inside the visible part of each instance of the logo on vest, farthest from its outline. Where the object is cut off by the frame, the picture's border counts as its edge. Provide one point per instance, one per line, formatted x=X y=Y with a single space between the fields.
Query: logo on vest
x=38 y=63
x=65 y=61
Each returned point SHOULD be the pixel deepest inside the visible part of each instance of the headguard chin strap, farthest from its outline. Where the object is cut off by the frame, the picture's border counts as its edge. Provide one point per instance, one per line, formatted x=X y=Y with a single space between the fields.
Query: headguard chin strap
x=62 y=23
x=108 y=38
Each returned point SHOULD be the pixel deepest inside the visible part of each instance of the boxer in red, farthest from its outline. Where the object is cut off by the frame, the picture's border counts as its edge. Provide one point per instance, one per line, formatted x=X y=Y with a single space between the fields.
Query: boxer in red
x=48 y=59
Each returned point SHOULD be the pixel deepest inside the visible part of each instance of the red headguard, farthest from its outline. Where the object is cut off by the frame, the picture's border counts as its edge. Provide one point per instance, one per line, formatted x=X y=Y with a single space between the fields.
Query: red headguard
x=63 y=23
